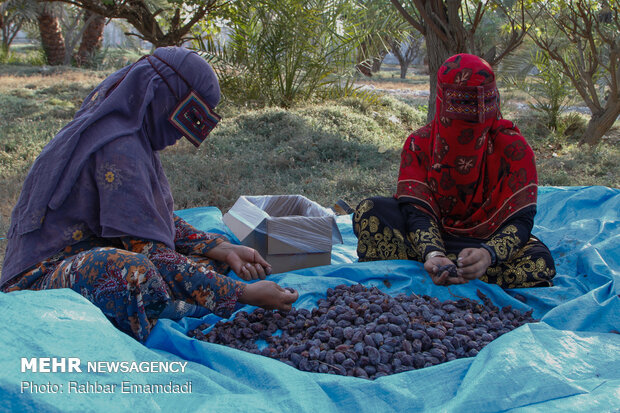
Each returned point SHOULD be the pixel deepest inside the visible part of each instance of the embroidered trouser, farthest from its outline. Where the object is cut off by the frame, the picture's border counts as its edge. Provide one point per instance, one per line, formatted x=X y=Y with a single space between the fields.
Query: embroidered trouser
x=383 y=235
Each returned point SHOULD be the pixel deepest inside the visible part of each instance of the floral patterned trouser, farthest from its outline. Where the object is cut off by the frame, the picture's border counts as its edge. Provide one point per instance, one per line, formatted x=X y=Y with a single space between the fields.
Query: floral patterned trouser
x=132 y=289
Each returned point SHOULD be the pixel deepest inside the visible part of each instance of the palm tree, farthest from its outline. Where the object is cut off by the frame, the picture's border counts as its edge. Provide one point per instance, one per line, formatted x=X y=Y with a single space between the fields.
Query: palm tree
x=92 y=37
x=52 y=39
x=13 y=15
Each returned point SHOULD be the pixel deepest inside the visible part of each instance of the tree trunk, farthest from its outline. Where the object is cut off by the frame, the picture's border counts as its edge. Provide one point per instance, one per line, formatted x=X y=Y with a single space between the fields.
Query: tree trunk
x=437 y=52
x=402 y=62
x=5 y=40
x=378 y=61
x=92 y=38
x=51 y=38
x=364 y=68
x=600 y=123
x=9 y=33
x=376 y=64
x=404 y=66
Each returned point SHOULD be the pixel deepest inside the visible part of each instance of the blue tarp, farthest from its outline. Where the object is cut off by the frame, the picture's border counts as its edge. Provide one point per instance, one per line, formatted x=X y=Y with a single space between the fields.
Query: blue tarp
x=568 y=362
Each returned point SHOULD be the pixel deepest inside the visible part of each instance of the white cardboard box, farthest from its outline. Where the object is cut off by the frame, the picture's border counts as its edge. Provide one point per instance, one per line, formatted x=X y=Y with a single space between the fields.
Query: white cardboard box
x=289 y=231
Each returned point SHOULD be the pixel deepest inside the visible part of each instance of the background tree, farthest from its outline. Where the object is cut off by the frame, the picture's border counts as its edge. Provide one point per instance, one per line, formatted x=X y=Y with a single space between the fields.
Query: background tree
x=52 y=38
x=406 y=51
x=62 y=28
x=162 y=23
x=13 y=15
x=72 y=23
x=583 y=38
x=384 y=25
x=279 y=52
x=371 y=53
x=92 y=38
x=541 y=78
x=452 y=26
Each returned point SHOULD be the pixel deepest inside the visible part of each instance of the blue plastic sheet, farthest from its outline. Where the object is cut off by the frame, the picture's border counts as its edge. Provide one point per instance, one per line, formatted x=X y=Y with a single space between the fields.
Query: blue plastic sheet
x=567 y=362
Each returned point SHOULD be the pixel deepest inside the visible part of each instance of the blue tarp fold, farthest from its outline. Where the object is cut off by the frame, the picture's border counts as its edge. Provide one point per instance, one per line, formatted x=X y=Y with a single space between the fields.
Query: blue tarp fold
x=567 y=362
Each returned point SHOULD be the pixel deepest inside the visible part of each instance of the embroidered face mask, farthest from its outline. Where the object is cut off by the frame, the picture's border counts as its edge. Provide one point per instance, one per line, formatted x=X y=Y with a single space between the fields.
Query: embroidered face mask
x=192 y=116
x=471 y=103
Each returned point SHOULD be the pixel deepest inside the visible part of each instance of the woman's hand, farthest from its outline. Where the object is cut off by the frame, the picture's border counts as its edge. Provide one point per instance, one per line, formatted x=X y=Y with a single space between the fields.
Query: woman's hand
x=268 y=295
x=246 y=262
x=473 y=263
x=432 y=266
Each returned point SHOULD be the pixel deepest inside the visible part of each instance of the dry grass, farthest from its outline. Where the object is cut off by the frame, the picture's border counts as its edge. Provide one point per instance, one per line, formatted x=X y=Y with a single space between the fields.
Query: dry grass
x=394 y=84
x=56 y=79
x=389 y=79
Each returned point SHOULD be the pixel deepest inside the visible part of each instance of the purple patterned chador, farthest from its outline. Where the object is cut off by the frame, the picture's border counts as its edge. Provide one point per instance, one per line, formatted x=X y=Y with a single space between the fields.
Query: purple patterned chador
x=96 y=213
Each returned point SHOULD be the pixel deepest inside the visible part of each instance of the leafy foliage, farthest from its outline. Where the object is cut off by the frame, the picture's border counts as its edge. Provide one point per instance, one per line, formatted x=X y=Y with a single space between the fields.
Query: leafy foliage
x=161 y=22
x=550 y=89
x=13 y=15
x=583 y=38
x=383 y=26
x=279 y=52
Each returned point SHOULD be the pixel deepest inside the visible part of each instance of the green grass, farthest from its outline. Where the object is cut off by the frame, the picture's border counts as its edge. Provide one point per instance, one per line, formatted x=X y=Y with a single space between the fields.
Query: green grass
x=348 y=148
x=325 y=151
x=23 y=55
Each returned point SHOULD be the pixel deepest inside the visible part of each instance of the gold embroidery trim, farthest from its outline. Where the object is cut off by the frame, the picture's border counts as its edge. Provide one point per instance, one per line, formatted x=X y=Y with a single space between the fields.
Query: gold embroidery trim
x=505 y=243
x=521 y=271
x=423 y=239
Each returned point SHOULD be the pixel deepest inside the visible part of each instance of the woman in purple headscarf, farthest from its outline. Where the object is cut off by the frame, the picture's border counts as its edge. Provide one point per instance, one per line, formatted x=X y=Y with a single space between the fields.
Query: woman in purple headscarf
x=96 y=213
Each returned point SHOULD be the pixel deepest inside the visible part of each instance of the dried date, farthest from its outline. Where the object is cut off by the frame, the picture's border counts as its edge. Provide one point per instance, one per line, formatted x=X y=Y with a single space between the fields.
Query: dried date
x=363 y=332
x=451 y=268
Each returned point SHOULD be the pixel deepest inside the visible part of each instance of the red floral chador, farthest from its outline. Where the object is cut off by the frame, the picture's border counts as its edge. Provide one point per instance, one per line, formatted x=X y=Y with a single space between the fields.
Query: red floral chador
x=470 y=168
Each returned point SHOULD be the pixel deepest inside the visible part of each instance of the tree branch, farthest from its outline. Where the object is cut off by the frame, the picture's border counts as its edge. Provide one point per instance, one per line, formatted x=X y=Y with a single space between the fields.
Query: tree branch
x=518 y=32
x=429 y=21
x=416 y=24
x=138 y=14
x=477 y=17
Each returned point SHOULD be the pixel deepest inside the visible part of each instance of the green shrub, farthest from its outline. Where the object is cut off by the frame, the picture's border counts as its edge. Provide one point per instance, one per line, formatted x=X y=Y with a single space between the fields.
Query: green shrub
x=339 y=149
x=550 y=89
x=280 y=52
x=22 y=56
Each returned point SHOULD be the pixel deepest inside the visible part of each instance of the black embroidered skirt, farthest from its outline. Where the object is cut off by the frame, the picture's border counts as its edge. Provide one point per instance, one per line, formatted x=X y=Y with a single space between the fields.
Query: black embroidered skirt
x=382 y=235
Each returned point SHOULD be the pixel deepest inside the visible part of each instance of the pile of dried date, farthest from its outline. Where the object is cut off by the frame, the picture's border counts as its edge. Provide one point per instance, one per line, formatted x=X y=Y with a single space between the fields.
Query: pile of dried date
x=363 y=332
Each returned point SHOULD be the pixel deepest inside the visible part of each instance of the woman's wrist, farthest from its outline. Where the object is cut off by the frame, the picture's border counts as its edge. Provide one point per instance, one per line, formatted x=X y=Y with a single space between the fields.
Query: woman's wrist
x=434 y=254
x=219 y=251
x=245 y=293
x=491 y=252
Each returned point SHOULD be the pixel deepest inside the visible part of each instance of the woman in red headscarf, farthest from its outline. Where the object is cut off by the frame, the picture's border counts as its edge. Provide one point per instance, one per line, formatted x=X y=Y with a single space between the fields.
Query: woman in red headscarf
x=466 y=192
